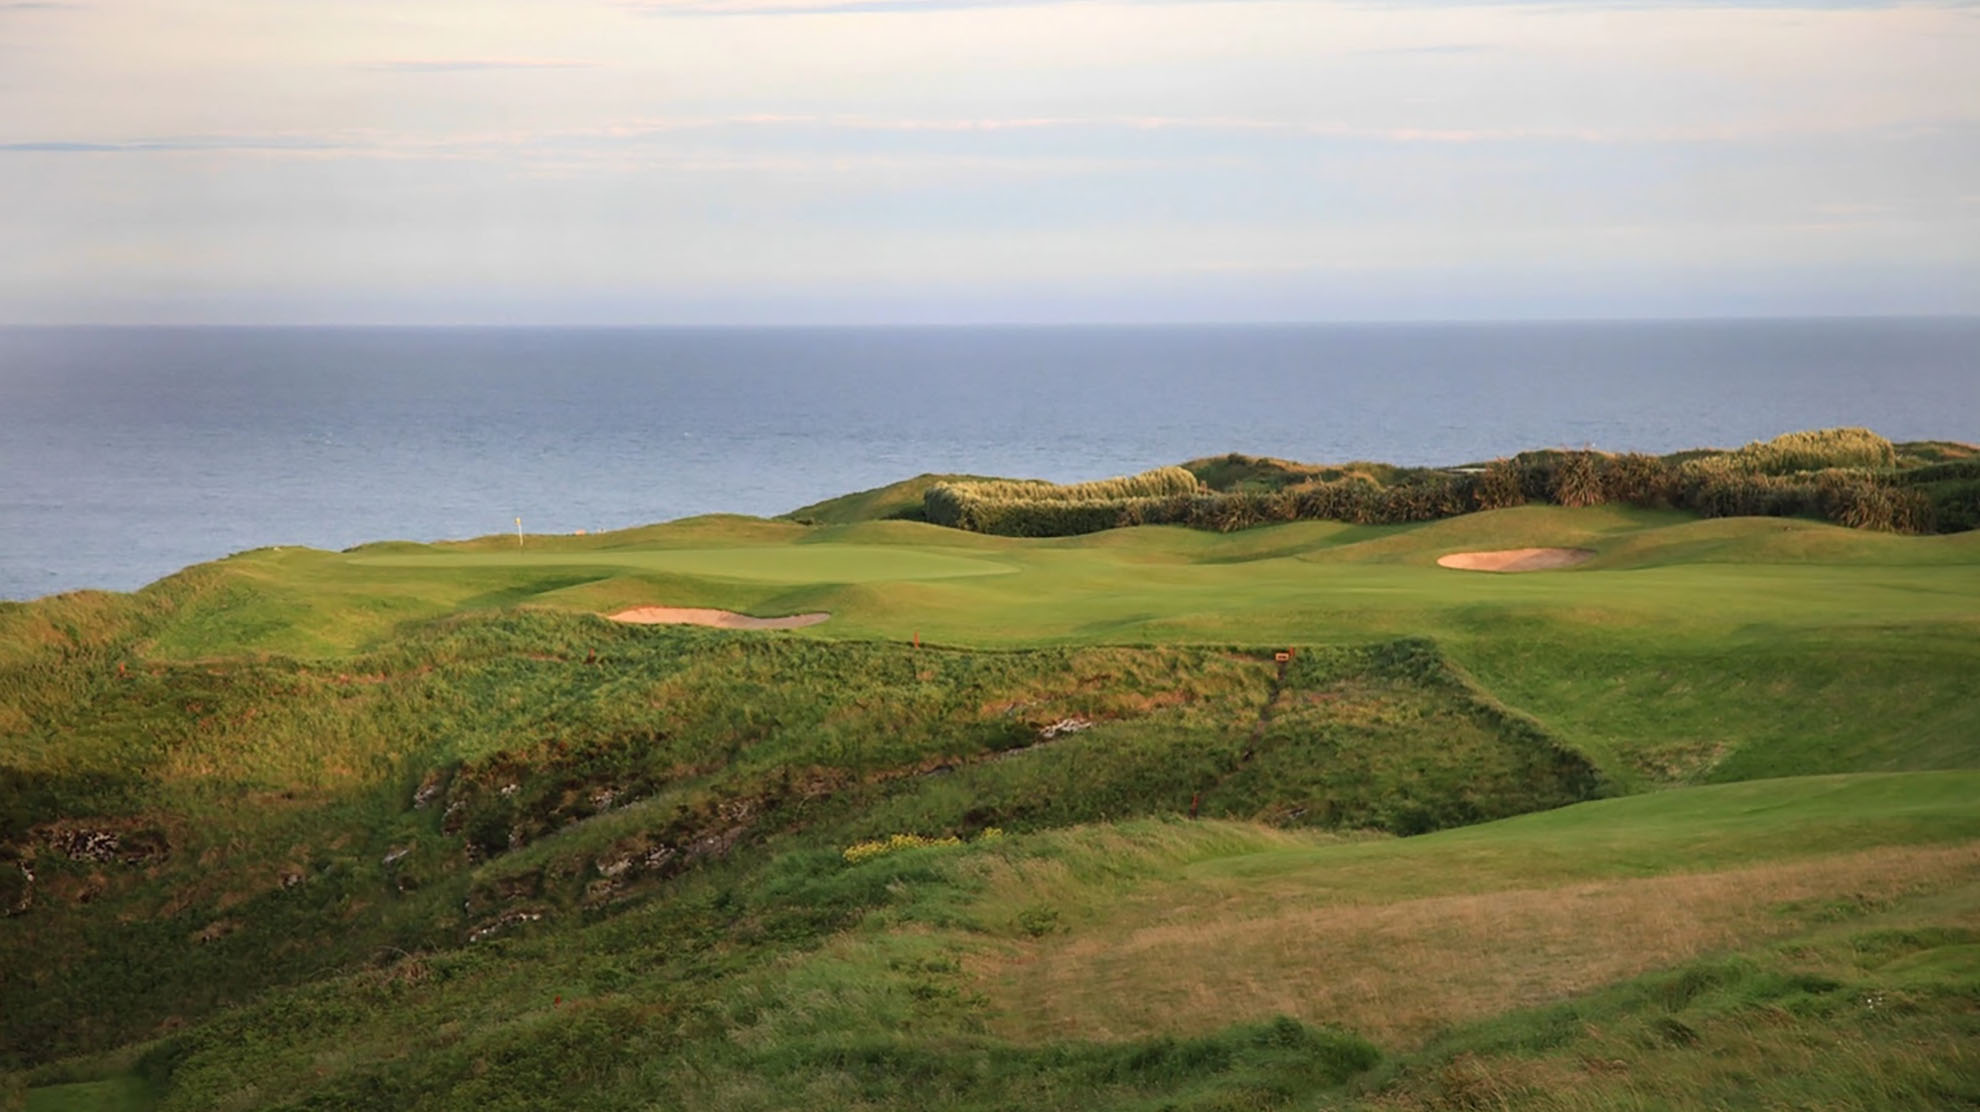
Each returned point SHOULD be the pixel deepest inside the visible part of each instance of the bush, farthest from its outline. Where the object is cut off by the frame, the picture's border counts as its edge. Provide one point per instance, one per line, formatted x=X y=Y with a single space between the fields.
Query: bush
x=1847 y=476
x=1497 y=487
x=893 y=843
x=1639 y=480
x=1577 y=480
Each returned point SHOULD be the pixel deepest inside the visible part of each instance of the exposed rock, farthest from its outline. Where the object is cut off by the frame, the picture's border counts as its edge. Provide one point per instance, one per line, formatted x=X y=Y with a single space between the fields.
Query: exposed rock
x=1063 y=727
x=504 y=921
x=106 y=844
x=429 y=789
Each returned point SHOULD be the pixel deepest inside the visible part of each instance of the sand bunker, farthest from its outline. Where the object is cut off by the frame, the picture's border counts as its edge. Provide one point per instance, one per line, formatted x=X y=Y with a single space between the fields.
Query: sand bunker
x=720 y=619
x=1516 y=559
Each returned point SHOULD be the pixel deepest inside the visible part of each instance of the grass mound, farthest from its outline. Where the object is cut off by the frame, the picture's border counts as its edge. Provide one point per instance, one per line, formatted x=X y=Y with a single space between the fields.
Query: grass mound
x=229 y=821
x=901 y=501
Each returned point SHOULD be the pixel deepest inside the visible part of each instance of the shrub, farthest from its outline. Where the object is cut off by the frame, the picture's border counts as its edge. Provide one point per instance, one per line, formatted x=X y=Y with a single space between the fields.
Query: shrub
x=1577 y=480
x=1844 y=475
x=894 y=843
x=1497 y=487
x=1639 y=480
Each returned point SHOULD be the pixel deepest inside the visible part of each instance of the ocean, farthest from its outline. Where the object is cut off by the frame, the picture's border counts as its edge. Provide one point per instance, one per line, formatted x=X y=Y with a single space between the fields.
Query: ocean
x=128 y=453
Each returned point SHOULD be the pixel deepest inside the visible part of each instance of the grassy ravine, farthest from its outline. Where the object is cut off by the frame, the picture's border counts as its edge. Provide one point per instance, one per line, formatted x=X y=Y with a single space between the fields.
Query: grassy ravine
x=411 y=827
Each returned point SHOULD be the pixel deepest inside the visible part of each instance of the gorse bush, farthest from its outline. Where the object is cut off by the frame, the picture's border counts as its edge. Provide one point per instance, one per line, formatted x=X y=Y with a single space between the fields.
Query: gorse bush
x=894 y=843
x=1847 y=476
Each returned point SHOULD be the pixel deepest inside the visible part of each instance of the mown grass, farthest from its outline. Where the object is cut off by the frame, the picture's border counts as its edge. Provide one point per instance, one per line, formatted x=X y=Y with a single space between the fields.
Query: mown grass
x=643 y=829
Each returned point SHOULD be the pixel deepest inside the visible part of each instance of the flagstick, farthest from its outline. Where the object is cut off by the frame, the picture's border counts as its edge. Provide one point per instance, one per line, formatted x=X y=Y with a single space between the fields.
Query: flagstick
x=519 y=532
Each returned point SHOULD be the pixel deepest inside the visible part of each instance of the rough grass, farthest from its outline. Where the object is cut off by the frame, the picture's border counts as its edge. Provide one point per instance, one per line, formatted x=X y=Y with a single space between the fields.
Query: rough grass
x=695 y=937
x=807 y=978
x=1402 y=972
x=287 y=794
x=1814 y=450
x=895 y=501
x=1148 y=484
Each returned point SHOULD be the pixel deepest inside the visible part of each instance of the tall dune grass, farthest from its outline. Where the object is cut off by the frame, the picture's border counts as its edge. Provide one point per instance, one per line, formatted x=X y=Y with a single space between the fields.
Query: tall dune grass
x=1848 y=476
x=1813 y=450
x=1020 y=508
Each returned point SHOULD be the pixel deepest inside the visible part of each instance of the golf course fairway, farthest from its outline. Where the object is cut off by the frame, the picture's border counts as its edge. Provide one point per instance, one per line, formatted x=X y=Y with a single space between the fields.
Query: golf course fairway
x=1285 y=817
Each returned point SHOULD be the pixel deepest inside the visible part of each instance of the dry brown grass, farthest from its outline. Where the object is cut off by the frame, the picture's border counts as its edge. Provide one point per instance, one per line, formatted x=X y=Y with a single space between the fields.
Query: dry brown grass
x=1399 y=972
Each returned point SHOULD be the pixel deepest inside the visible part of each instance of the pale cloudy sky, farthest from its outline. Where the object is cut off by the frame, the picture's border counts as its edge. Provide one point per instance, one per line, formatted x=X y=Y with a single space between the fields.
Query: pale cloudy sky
x=704 y=161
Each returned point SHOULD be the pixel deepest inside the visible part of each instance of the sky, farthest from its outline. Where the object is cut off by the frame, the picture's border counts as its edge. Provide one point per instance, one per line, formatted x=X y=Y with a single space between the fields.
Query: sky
x=952 y=161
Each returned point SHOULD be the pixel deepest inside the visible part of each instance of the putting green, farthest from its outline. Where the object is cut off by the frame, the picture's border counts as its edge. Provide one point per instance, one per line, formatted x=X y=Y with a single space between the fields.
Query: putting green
x=843 y=563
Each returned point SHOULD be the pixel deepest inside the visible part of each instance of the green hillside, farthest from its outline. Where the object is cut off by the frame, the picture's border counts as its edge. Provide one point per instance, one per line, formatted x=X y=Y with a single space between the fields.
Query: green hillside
x=1285 y=817
x=895 y=501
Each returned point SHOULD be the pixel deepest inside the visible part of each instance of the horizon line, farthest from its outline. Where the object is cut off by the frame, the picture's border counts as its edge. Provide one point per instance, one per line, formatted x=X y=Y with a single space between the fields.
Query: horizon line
x=684 y=326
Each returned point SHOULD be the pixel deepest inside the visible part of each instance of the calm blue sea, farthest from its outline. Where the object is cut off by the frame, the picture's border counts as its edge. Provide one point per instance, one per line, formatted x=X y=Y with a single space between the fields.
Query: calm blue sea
x=127 y=453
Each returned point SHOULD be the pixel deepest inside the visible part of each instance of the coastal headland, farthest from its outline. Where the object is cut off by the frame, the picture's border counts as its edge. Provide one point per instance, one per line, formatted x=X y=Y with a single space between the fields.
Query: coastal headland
x=1224 y=785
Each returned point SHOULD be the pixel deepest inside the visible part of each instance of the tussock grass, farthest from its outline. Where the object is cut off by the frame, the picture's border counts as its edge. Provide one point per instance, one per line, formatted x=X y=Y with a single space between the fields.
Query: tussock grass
x=805 y=978
x=1815 y=450
x=1847 y=475
x=1042 y=509
x=1148 y=484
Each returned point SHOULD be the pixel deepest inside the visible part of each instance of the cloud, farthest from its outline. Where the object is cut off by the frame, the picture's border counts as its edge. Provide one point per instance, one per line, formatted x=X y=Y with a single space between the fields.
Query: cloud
x=60 y=145
x=469 y=65
x=564 y=144
x=822 y=7
x=840 y=7
x=1435 y=48
x=189 y=143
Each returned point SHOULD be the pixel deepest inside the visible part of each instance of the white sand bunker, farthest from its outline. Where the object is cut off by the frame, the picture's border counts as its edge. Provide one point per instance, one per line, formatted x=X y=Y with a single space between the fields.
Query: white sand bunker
x=720 y=619
x=1516 y=559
